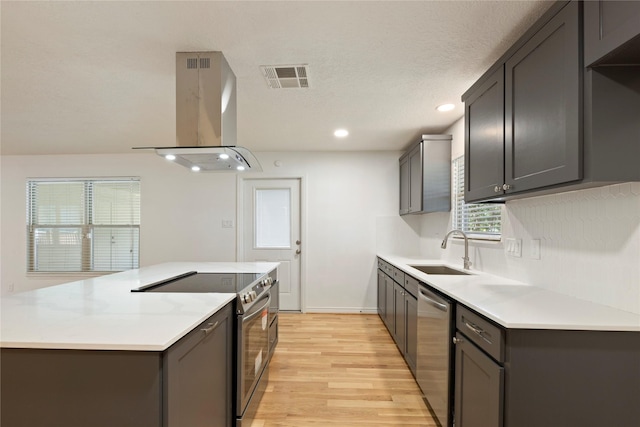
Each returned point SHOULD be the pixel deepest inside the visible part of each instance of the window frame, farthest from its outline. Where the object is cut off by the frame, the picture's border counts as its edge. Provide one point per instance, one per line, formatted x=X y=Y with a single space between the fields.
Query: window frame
x=458 y=204
x=87 y=227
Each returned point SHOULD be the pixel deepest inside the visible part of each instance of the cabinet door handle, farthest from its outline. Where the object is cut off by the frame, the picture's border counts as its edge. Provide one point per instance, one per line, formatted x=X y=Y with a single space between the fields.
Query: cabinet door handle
x=210 y=327
x=457 y=340
x=497 y=189
x=506 y=187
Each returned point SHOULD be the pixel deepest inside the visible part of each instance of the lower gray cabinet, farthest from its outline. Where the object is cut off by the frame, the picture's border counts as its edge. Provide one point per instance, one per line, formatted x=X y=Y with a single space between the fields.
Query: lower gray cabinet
x=411 y=338
x=79 y=388
x=189 y=384
x=531 y=378
x=389 y=310
x=198 y=376
x=398 y=308
x=478 y=387
x=382 y=296
x=399 y=316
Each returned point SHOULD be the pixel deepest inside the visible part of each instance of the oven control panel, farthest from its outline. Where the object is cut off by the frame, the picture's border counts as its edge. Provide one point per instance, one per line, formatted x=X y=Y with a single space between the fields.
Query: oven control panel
x=256 y=290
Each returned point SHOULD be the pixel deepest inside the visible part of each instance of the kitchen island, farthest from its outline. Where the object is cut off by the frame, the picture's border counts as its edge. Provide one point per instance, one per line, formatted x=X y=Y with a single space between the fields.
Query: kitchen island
x=93 y=353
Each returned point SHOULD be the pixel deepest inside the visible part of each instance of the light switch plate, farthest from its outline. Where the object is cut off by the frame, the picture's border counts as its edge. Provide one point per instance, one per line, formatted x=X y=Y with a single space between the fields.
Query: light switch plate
x=514 y=247
x=227 y=223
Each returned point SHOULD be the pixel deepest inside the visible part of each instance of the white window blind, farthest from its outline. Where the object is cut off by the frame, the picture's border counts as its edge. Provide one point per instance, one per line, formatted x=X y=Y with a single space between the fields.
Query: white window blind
x=76 y=225
x=479 y=220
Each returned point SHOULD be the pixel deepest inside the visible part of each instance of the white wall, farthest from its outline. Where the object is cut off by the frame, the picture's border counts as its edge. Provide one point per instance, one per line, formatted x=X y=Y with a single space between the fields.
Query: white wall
x=590 y=241
x=347 y=196
x=590 y=238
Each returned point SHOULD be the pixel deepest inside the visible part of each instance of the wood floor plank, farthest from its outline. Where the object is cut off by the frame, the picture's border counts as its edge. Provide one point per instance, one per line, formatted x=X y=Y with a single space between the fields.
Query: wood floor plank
x=340 y=370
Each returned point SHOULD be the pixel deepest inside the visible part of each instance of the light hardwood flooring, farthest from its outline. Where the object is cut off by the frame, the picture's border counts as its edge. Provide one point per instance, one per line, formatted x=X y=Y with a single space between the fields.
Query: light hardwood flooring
x=339 y=370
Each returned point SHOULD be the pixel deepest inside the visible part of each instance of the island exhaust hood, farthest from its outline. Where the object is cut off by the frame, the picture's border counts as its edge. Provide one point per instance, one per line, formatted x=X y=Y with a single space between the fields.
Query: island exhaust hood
x=206 y=116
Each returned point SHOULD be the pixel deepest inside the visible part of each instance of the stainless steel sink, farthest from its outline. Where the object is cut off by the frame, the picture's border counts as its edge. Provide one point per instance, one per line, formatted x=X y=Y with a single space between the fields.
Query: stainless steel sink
x=439 y=269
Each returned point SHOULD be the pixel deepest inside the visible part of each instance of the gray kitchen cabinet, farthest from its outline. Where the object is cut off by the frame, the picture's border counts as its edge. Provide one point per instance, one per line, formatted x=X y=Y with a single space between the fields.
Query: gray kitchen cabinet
x=405 y=182
x=188 y=384
x=508 y=377
x=543 y=109
x=479 y=355
x=484 y=139
x=398 y=308
x=382 y=295
x=425 y=176
x=386 y=308
x=523 y=118
x=389 y=311
x=611 y=32
x=197 y=380
x=565 y=127
x=478 y=387
x=411 y=328
x=400 y=319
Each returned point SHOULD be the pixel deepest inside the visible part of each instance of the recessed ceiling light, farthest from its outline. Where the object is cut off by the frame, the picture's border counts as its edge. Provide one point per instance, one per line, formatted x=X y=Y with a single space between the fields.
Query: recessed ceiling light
x=195 y=168
x=445 y=107
x=240 y=168
x=223 y=156
x=170 y=157
x=341 y=133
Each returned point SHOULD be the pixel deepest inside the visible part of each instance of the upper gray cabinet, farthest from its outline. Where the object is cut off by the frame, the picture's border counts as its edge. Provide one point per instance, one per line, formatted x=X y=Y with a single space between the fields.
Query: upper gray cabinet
x=523 y=120
x=484 y=139
x=543 y=110
x=611 y=32
x=538 y=122
x=425 y=176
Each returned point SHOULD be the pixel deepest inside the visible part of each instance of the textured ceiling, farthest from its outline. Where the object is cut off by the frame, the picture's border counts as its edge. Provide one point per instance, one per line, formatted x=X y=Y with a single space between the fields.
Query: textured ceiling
x=99 y=77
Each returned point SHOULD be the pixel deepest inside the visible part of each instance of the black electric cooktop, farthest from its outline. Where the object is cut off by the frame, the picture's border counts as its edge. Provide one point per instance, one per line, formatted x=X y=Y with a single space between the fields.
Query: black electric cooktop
x=194 y=282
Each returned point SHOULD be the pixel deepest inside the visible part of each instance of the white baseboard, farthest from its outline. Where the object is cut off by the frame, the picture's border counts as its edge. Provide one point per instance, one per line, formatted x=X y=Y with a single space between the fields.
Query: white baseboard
x=342 y=310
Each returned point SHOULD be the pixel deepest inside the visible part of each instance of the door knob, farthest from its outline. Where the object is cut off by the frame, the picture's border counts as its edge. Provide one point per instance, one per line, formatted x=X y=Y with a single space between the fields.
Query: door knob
x=298 y=242
x=297 y=251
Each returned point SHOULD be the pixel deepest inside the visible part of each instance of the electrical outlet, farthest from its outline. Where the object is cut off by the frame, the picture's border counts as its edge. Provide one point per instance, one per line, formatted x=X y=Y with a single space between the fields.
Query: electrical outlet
x=535 y=249
x=227 y=223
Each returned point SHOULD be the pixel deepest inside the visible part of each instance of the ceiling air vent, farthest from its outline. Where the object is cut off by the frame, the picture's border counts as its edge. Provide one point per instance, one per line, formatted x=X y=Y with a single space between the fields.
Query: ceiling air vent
x=286 y=76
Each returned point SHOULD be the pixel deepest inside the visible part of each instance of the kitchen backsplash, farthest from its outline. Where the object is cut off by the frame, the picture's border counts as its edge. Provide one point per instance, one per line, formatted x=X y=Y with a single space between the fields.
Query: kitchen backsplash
x=590 y=243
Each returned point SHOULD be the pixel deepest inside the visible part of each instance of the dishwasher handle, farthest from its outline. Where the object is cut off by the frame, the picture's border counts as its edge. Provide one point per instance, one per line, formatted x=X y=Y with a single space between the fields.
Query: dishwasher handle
x=429 y=300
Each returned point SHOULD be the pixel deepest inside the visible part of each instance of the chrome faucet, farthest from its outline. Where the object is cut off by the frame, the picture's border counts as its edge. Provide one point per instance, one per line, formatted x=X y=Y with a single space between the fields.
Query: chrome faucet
x=467 y=263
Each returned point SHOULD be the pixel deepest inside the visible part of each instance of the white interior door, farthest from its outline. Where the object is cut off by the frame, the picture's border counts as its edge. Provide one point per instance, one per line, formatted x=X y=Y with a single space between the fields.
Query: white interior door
x=271 y=232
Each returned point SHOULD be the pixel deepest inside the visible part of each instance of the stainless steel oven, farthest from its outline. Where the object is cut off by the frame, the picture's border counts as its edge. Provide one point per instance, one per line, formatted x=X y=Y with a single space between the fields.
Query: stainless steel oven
x=254 y=320
x=253 y=357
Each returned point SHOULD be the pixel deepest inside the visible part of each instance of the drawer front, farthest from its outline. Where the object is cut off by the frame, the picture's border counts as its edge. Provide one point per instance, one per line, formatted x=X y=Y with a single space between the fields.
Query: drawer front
x=385 y=267
x=481 y=332
x=411 y=285
x=398 y=276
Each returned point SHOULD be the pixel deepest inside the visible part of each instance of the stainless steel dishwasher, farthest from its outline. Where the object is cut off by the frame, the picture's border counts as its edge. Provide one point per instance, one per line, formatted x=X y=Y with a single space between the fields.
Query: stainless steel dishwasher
x=434 y=360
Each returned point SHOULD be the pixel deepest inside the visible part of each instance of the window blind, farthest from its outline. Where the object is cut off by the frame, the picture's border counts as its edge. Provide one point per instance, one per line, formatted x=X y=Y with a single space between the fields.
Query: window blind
x=76 y=225
x=478 y=220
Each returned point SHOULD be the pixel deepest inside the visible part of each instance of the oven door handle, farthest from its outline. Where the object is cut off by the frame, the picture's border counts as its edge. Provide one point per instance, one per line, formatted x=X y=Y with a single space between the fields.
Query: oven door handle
x=258 y=311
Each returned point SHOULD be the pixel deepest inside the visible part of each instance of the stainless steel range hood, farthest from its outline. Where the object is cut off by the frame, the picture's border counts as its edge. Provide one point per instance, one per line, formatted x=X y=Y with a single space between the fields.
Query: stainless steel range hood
x=206 y=116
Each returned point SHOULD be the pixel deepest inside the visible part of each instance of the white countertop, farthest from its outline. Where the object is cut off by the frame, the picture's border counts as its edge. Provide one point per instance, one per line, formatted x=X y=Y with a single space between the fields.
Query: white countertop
x=103 y=314
x=514 y=304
